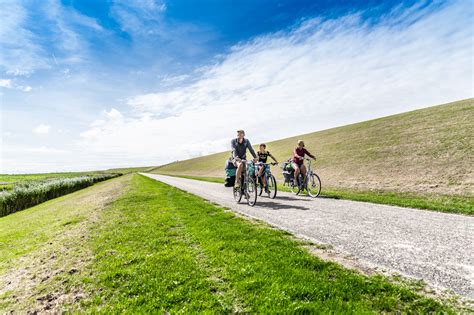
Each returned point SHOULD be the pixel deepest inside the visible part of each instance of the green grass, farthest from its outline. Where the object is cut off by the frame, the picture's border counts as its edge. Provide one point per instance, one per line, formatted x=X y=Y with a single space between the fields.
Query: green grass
x=158 y=249
x=443 y=203
x=24 y=232
x=163 y=250
x=422 y=153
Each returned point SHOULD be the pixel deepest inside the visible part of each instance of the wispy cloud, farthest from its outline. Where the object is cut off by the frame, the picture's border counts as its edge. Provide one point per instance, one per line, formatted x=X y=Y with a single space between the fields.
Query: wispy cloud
x=26 y=50
x=21 y=53
x=318 y=75
x=139 y=17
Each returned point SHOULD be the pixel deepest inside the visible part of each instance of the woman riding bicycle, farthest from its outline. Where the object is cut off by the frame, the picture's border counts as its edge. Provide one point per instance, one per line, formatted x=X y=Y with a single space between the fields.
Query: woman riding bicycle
x=263 y=155
x=298 y=159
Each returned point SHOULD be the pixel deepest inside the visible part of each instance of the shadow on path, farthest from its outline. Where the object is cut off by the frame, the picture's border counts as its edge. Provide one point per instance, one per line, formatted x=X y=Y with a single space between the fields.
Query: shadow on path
x=295 y=198
x=278 y=206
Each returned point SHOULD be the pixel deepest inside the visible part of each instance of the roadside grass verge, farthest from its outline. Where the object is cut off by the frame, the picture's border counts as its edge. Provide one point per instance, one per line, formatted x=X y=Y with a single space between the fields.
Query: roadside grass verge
x=45 y=248
x=441 y=203
x=160 y=249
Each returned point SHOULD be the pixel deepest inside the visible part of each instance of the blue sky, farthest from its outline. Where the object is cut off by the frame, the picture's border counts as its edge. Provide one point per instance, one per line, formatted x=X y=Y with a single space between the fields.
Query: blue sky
x=97 y=84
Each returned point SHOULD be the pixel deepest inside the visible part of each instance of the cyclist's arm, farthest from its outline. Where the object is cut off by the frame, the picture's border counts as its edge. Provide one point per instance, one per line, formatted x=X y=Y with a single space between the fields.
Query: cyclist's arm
x=310 y=155
x=273 y=158
x=233 y=145
x=252 y=151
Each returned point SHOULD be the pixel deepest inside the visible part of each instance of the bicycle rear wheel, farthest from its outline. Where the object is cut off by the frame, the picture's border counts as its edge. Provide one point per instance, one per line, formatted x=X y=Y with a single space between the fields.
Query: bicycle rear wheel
x=294 y=188
x=251 y=193
x=313 y=185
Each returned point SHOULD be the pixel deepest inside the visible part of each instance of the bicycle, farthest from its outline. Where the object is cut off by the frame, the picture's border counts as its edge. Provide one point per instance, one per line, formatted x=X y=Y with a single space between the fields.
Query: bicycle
x=248 y=187
x=311 y=183
x=269 y=178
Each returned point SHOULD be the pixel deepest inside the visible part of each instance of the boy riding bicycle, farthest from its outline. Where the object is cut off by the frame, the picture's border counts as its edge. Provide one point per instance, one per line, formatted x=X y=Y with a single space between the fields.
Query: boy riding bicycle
x=262 y=157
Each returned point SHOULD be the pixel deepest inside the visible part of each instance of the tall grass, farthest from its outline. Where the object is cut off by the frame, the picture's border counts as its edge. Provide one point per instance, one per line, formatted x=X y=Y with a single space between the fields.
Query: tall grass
x=32 y=193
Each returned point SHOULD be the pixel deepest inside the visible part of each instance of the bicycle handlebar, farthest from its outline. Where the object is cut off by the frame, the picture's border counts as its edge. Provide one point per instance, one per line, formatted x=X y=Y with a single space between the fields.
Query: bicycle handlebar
x=261 y=163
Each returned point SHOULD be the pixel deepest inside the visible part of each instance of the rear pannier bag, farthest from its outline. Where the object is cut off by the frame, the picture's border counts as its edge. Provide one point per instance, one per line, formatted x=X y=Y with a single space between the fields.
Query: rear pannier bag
x=229 y=181
x=230 y=170
x=288 y=175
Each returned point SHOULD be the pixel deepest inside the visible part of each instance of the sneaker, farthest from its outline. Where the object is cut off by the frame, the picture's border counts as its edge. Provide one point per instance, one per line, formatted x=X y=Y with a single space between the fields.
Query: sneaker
x=237 y=186
x=267 y=190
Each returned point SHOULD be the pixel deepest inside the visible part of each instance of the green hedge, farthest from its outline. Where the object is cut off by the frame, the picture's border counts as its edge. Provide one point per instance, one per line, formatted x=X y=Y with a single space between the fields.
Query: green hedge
x=32 y=193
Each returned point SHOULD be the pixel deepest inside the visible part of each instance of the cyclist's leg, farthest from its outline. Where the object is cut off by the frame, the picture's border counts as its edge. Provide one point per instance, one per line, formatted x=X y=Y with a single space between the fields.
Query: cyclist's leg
x=303 y=169
x=297 y=171
x=238 y=174
x=260 y=175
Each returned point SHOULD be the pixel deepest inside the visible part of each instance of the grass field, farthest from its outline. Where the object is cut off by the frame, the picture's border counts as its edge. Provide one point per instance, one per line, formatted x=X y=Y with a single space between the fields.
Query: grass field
x=8 y=181
x=136 y=245
x=423 y=154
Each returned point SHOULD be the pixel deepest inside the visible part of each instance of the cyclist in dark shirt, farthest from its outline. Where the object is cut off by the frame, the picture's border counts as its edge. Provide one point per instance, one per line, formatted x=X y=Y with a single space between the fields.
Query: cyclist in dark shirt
x=263 y=155
x=239 y=152
x=298 y=159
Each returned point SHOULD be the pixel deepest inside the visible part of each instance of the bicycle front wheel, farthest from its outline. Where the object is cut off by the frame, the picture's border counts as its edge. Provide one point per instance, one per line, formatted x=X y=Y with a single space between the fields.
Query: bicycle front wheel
x=272 y=186
x=313 y=185
x=260 y=186
x=237 y=194
x=251 y=193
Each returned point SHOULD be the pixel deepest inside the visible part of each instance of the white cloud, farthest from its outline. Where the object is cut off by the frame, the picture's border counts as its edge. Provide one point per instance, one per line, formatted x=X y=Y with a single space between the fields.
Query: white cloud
x=6 y=83
x=319 y=75
x=42 y=129
x=27 y=88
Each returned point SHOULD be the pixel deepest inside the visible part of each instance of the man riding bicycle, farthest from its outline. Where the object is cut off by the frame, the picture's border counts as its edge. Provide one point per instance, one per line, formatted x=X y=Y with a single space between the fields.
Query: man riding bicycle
x=298 y=159
x=263 y=155
x=239 y=152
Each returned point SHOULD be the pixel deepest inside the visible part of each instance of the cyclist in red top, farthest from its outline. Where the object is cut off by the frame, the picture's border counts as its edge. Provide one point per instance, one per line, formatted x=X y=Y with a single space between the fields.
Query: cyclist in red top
x=298 y=159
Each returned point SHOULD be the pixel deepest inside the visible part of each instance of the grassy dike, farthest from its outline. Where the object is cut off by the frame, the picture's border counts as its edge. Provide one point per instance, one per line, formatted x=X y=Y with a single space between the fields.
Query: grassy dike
x=421 y=158
x=163 y=250
x=135 y=245
x=442 y=203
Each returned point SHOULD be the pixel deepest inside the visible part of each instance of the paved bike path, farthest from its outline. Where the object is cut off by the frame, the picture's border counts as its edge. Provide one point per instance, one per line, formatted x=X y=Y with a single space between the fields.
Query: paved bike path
x=436 y=247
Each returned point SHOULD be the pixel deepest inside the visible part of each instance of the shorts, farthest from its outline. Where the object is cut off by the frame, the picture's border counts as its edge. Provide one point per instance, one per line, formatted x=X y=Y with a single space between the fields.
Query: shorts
x=265 y=166
x=234 y=161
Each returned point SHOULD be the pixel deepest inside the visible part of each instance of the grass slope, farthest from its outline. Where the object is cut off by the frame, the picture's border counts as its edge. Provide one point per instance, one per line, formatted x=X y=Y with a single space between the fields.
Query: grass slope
x=159 y=249
x=426 y=152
